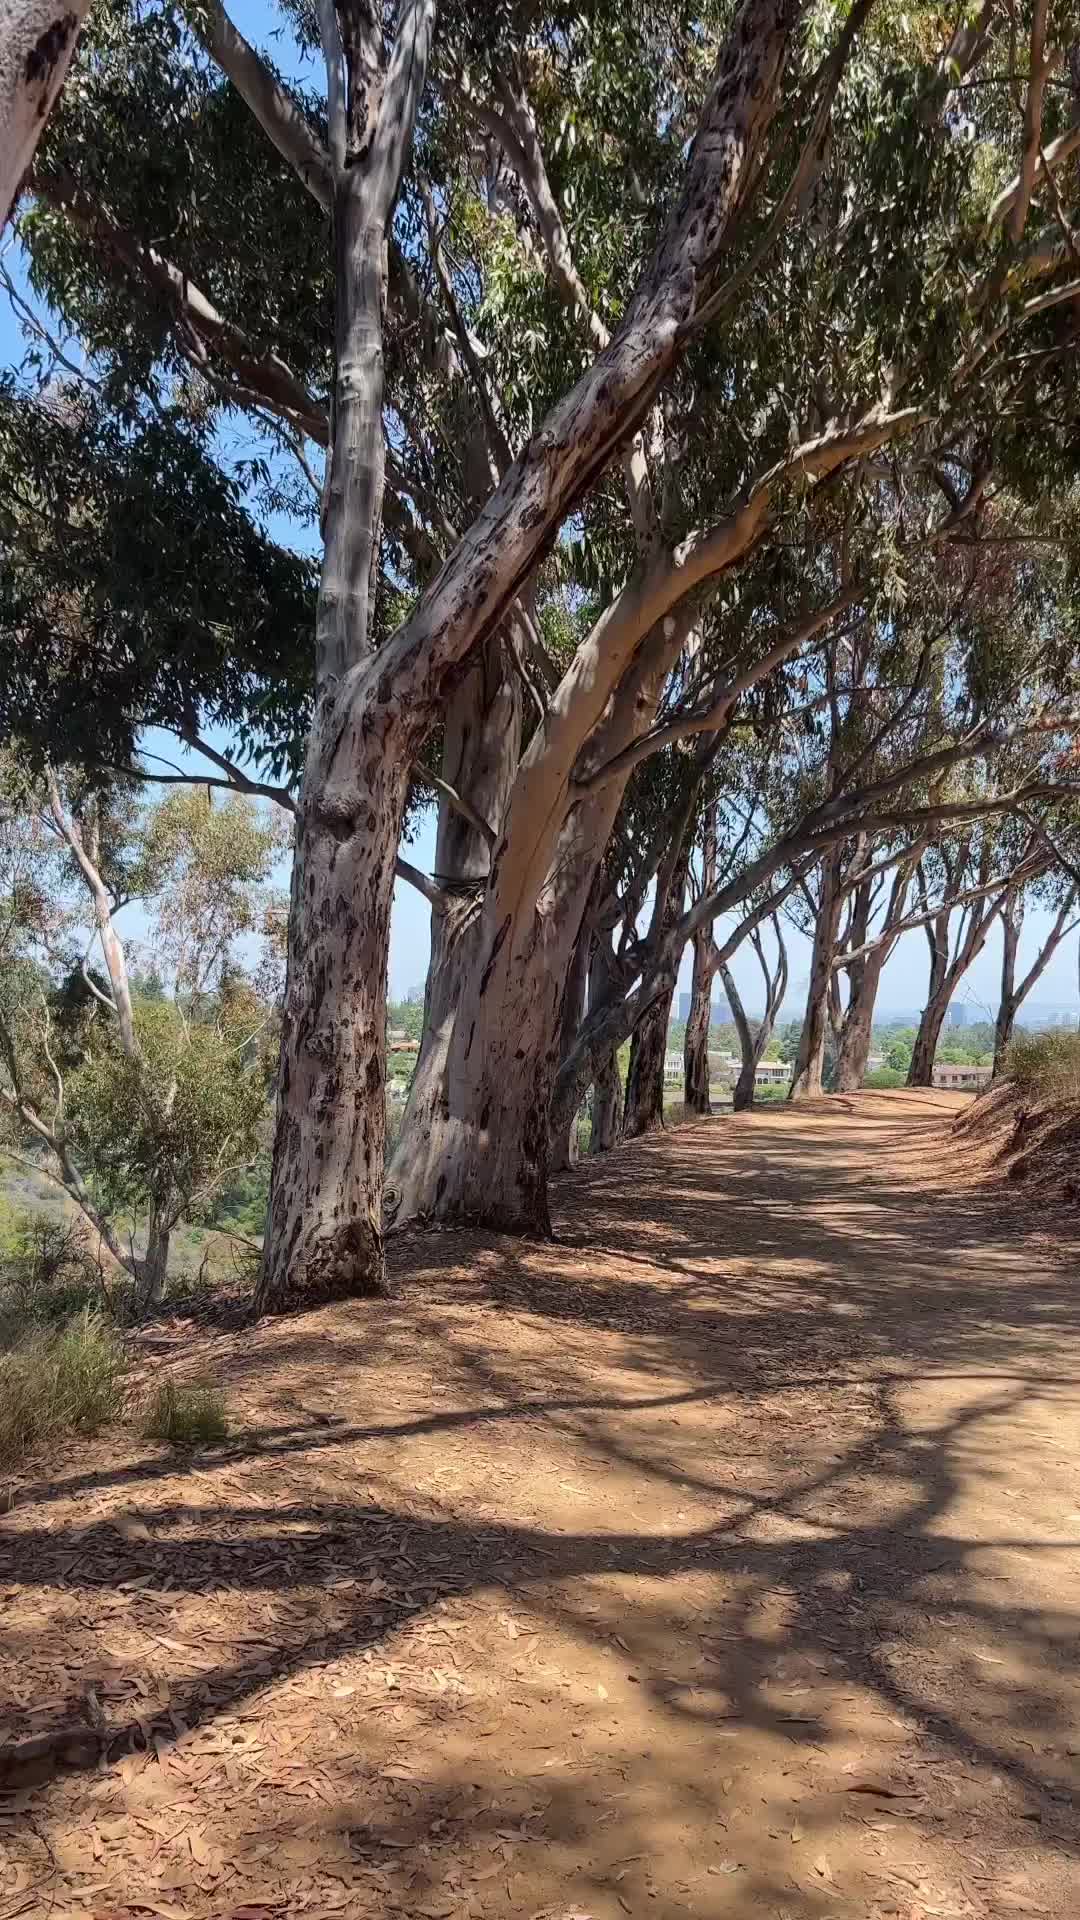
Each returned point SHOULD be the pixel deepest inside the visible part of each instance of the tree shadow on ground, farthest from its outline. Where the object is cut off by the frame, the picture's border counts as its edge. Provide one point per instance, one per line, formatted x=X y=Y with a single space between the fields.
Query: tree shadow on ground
x=818 y=1513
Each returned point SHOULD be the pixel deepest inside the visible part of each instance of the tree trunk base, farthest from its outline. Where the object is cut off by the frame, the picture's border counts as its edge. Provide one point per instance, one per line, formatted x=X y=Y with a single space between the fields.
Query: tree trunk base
x=344 y=1264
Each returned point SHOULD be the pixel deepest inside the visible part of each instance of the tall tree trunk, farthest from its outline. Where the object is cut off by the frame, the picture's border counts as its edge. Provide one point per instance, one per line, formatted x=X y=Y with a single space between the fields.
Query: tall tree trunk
x=489 y=1140
x=154 y=1266
x=483 y=1151
x=564 y=1143
x=644 y=1111
x=481 y=750
x=750 y=1052
x=924 y=1052
x=606 y=1110
x=696 y=1083
x=37 y=40
x=864 y=974
x=1013 y=991
x=921 y=1069
x=1012 y=921
x=324 y=1221
x=858 y=1023
x=809 y=1061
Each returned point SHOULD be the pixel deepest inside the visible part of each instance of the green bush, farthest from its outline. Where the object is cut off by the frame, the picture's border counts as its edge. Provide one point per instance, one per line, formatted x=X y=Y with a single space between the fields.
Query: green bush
x=51 y=1382
x=186 y=1416
x=48 y=1272
x=1046 y=1066
x=884 y=1077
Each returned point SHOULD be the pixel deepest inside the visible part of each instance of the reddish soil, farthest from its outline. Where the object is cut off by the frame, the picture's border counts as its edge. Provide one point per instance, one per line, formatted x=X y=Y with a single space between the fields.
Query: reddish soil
x=722 y=1559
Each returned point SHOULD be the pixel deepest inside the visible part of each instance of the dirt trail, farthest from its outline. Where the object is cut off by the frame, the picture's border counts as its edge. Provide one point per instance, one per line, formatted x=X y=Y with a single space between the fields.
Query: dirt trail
x=723 y=1559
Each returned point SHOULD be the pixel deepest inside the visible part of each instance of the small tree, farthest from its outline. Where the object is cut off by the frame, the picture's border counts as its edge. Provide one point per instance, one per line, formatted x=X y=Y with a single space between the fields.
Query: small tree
x=140 y=1106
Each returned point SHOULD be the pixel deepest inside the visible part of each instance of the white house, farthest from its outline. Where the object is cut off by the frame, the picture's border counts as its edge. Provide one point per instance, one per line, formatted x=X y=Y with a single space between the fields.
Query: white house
x=961 y=1076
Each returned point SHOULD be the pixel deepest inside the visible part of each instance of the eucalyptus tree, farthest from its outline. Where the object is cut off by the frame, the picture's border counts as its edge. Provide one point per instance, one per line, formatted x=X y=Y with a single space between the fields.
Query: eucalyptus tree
x=755 y=1035
x=675 y=281
x=961 y=889
x=37 y=40
x=1058 y=894
x=132 y=1106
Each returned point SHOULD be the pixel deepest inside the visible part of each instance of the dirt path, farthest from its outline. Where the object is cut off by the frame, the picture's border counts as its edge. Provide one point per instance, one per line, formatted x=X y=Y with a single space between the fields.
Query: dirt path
x=722 y=1560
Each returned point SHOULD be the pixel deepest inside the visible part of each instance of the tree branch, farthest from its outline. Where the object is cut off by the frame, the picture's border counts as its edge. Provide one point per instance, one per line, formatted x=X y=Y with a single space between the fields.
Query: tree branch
x=202 y=329
x=278 y=115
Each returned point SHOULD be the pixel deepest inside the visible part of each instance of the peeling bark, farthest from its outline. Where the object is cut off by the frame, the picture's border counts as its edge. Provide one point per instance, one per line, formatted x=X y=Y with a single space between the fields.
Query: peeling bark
x=37 y=40
x=564 y=1143
x=696 y=1087
x=644 y=1111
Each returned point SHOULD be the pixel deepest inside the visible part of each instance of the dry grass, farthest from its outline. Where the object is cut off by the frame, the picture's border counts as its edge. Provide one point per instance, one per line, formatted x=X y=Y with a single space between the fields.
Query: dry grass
x=1046 y=1067
x=186 y=1416
x=56 y=1382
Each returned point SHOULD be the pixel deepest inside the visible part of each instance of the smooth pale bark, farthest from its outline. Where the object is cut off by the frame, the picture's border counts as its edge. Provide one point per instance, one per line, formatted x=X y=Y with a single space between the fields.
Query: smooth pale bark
x=810 y=1060
x=37 y=40
x=474 y=1142
x=743 y=1091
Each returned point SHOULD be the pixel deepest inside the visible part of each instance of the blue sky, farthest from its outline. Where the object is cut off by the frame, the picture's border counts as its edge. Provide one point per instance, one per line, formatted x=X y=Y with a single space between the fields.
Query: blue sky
x=904 y=980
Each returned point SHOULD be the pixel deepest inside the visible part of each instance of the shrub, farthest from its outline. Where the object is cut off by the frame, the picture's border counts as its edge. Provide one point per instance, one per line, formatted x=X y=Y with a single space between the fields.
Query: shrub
x=48 y=1272
x=884 y=1077
x=1046 y=1066
x=53 y=1382
x=186 y=1416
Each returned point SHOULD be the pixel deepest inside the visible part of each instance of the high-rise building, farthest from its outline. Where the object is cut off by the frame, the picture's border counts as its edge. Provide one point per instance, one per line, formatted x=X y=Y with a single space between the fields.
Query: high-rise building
x=957 y=1015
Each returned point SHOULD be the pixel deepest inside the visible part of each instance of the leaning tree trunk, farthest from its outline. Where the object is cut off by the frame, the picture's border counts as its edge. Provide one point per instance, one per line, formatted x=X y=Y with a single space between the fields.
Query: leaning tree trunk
x=750 y=1051
x=644 y=1112
x=37 y=40
x=809 y=1062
